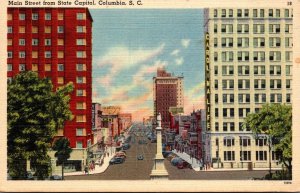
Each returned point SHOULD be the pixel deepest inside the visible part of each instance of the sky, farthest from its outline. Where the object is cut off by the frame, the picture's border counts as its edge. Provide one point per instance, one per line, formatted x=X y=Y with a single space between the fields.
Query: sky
x=129 y=46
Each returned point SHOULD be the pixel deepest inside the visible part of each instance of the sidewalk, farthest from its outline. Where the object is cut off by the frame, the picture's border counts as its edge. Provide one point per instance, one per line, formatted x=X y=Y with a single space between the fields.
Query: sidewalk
x=195 y=164
x=98 y=169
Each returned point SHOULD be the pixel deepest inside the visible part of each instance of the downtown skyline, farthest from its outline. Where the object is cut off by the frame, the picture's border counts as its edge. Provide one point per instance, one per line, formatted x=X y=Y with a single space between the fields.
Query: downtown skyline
x=126 y=60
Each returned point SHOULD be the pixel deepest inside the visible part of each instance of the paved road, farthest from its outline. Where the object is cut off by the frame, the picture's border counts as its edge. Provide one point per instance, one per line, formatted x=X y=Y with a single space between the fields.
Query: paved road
x=133 y=169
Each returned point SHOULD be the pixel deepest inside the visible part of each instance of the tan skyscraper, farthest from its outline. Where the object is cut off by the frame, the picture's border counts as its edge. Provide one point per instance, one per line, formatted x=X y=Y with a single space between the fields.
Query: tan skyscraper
x=248 y=63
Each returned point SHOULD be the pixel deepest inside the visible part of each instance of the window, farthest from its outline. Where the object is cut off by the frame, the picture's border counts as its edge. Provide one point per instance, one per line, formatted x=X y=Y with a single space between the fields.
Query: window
x=243 y=42
x=231 y=110
x=229 y=156
x=34 y=54
x=22 y=54
x=246 y=13
x=216 y=112
x=215 y=42
x=216 y=70
x=60 y=29
x=258 y=28
x=223 y=12
x=277 y=13
x=47 y=16
x=215 y=13
x=47 y=54
x=243 y=84
x=288 y=42
x=227 y=56
x=243 y=70
x=274 y=28
x=34 y=29
x=270 y=12
x=80 y=42
x=9 y=16
x=243 y=56
x=60 y=16
x=288 y=98
x=80 y=54
x=261 y=13
x=230 y=13
x=80 y=80
x=9 y=67
x=35 y=16
x=215 y=28
x=9 y=42
x=216 y=84
x=245 y=141
x=239 y=13
x=80 y=131
x=228 y=141
x=227 y=42
x=79 y=144
x=227 y=28
x=215 y=56
x=80 y=67
x=288 y=70
x=9 y=54
x=243 y=112
x=47 y=67
x=274 y=42
x=258 y=56
x=216 y=98
x=35 y=42
x=288 y=56
x=275 y=83
x=34 y=67
x=9 y=29
x=81 y=29
x=80 y=105
x=60 y=54
x=80 y=92
x=261 y=155
x=254 y=12
x=261 y=141
x=275 y=56
x=243 y=28
x=80 y=16
x=47 y=29
x=21 y=42
x=60 y=67
x=60 y=80
x=47 y=42
x=227 y=84
x=286 y=13
x=225 y=127
x=22 y=16
x=80 y=118
x=60 y=42
x=22 y=67
x=21 y=29
x=216 y=126
x=275 y=70
x=245 y=155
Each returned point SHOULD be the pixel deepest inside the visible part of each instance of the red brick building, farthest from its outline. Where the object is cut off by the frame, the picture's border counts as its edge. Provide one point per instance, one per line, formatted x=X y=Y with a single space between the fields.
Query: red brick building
x=57 y=44
x=168 y=92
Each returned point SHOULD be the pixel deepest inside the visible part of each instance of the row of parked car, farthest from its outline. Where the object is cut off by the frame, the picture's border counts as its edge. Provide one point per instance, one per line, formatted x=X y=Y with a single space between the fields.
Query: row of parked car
x=177 y=161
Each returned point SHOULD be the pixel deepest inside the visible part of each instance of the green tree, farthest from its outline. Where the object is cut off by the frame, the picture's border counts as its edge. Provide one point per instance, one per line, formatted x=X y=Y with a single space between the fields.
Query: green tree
x=34 y=114
x=63 y=151
x=275 y=120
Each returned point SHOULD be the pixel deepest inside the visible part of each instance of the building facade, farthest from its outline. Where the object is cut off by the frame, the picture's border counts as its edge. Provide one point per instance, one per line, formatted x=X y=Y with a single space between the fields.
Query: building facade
x=167 y=92
x=57 y=44
x=248 y=62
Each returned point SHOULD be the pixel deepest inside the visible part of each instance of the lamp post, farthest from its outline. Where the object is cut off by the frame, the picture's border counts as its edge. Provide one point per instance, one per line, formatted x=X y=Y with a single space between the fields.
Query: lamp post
x=270 y=164
x=242 y=153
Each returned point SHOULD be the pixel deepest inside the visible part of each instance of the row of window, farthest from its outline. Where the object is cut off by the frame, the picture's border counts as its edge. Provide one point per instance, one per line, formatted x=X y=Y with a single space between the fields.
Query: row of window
x=246 y=155
x=47 y=29
x=258 y=84
x=60 y=67
x=258 y=42
x=272 y=13
x=47 y=42
x=244 y=56
x=48 y=54
x=257 y=28
x=48 y=16
x=257 y=70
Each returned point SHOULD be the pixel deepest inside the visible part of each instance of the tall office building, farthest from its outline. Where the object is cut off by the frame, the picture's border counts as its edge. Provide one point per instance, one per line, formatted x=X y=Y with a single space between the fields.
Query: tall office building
x=57 y=44
x=168 y=92
x=248 y=62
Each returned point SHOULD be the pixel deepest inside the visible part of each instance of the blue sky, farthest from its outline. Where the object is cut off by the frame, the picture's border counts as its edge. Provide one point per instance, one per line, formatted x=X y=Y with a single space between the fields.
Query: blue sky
x=129 y=45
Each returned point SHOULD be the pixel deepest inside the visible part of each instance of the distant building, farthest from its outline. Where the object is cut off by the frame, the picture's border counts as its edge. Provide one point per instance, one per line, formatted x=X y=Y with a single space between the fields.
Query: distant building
x=168 y=92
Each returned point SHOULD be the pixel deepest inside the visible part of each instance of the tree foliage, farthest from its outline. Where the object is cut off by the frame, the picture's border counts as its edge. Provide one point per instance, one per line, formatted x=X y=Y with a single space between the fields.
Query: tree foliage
x=63 y=151
x=34 y=113
x=274 y=120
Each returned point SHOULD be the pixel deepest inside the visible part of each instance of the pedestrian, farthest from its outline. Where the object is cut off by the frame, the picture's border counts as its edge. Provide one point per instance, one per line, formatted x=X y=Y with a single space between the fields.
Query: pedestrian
x=86 y=169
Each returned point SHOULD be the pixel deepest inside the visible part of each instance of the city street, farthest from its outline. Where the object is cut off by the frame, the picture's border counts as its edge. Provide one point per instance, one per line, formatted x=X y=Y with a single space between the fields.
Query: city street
x=134 y=169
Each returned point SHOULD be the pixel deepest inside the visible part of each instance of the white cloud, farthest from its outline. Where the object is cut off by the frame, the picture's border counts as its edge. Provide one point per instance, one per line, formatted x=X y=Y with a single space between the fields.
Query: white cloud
x=185 y=43
x=179 y=61
x=175 y=52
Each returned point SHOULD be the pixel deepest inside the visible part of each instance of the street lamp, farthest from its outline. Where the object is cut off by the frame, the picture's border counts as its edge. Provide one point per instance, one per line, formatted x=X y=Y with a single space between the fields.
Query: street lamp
x=270 y=165
x=242 y=153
